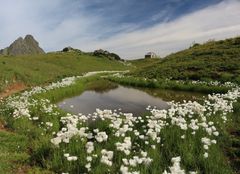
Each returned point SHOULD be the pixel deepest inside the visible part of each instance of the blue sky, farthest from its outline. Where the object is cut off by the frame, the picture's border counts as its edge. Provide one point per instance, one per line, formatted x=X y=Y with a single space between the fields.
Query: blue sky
x=144 y=13
x=127 y=27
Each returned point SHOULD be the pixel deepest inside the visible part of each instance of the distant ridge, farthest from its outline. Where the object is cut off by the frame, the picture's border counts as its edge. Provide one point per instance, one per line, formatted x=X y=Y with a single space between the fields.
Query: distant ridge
x=26 y=46
x=213 y=60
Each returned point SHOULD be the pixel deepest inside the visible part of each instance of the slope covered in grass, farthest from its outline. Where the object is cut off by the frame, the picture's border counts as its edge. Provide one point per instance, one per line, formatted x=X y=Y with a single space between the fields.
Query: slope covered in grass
x=38 y=69
x=12 y=151
x=217 y=60
x=141 y=63
x=191 y=134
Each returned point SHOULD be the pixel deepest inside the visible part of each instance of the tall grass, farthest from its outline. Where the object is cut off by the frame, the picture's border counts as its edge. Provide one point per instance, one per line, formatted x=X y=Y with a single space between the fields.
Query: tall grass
x=45 y=155
x=40 y=69
x=214 y=60
x=89 y=83
x=167 y=84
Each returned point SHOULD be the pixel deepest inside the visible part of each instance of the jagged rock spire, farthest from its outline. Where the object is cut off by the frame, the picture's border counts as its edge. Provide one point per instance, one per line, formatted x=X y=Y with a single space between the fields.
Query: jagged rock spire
x=26 y=46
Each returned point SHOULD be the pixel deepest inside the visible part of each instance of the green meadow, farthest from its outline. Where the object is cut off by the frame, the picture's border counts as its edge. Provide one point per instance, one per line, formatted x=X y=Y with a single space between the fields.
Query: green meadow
x=41 y=69
x=213 y=60
x=191 y=137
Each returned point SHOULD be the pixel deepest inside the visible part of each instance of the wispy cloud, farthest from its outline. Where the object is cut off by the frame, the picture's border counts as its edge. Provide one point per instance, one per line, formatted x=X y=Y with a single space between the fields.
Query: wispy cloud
x=130 y=28
x=215 y=22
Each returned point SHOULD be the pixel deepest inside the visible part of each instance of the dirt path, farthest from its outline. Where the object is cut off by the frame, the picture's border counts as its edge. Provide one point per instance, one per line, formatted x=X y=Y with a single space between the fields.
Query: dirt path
x=13 y=88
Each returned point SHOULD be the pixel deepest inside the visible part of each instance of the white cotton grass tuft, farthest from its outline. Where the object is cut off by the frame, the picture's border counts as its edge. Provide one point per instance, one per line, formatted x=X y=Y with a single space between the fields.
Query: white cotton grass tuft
x=189 y=116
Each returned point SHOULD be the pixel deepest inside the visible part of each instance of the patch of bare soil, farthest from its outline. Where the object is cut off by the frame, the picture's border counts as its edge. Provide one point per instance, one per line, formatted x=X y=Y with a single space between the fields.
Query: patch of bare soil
x=2 y=128
x=22 y=170
x=13 y=88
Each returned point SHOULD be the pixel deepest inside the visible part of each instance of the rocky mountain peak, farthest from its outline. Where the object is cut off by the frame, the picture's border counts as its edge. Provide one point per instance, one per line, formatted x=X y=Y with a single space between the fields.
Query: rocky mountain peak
x=26 y=46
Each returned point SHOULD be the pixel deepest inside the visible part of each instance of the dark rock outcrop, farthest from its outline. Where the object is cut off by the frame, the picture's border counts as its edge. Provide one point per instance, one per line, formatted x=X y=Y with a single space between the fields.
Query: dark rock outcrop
x=26 y=46
x=67 y=49
x=104 y=53
x=71 y=49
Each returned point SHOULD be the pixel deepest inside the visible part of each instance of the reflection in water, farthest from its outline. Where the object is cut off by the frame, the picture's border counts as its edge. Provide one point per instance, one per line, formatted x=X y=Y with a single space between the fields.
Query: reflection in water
x=129 y=100
x=102 y=86
x=170 y=95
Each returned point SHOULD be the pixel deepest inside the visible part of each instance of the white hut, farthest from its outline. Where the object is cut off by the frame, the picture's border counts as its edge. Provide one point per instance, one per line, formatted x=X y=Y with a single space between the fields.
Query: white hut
x=150 y=55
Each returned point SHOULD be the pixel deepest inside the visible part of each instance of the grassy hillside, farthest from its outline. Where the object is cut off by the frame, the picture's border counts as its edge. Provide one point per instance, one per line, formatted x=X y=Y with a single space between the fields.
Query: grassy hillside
x=171 y=135
x=38 y=69
x=217 y=60
x=141 y=63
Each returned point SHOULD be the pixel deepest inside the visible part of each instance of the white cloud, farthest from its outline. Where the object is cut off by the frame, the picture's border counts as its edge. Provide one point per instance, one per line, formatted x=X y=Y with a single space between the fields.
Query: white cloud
x=215 y=22
x=57 y=23
x=54 y=23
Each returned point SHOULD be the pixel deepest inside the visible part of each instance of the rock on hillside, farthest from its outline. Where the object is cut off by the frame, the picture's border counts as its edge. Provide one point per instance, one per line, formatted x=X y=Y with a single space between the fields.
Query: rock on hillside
x=70 y=49
x=104 y=53
x=26 y=46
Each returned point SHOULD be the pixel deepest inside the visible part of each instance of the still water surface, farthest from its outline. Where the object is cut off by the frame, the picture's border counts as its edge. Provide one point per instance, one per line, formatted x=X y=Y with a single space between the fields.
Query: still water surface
x=129 y=100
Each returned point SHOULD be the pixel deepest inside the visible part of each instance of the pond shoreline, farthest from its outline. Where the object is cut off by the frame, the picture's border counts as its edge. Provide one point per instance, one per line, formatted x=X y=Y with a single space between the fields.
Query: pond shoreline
x=113 y=97
x=60 y=138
